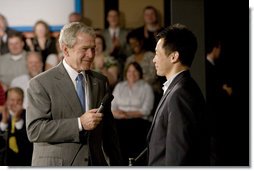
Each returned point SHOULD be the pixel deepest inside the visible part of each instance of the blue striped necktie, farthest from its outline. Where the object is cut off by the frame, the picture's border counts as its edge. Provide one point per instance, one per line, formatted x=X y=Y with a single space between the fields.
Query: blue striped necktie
x=80 y=91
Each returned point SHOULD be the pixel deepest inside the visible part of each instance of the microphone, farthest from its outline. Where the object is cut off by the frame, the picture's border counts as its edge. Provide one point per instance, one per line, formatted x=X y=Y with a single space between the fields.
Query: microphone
x=106 y=99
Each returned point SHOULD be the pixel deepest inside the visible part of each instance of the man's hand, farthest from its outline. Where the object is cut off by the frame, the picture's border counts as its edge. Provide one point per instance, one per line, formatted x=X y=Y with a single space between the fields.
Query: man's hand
x=91 y=119
x=5 y=114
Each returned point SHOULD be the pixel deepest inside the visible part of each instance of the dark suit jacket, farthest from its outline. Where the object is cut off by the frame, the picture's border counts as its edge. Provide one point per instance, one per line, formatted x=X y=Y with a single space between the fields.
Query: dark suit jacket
x=178 y=134
x=10 y=158
x=52 y=123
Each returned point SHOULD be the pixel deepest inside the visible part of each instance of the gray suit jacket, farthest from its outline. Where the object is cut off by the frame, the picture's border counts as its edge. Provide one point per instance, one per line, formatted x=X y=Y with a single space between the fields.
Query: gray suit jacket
x=52 y=123
x=178 y=135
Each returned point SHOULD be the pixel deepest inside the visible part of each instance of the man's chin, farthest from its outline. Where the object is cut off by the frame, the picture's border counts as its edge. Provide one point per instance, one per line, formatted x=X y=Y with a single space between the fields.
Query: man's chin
x=159 y=74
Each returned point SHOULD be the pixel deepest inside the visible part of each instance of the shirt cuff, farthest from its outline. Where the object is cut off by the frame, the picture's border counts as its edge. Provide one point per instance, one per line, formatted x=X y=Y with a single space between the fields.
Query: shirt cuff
x=79 y=125
x=3 y=126
x=19 y=124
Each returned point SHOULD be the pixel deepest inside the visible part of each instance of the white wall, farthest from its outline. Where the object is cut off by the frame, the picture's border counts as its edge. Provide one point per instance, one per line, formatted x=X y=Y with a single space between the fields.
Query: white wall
x=24 y=13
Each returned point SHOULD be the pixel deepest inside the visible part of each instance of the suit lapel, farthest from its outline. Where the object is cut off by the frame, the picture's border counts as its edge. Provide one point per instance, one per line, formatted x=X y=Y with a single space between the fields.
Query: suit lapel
x=93 y=89
x=172 y=85
x=67 y=88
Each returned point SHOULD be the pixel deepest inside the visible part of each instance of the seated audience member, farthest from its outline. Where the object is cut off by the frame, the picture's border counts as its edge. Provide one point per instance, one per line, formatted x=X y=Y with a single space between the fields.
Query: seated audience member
x=34 y=65
x=18 y=150
x=13 y=64
x=145 y=60
x=150 y=28
x=141 y=56
x=131 y=108
x=4 y=34
x=104 y=63
x=42 y=42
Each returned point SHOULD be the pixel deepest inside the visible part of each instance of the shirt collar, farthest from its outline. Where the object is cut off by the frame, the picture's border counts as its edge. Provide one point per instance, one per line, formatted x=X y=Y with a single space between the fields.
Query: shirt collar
x=72 y=73
x=211 y=61
x=16 y=57
x=116 y=30
x=169 y=81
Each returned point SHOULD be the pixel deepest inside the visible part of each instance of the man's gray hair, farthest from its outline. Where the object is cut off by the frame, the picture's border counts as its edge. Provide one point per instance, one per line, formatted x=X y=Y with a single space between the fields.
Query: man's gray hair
x=69 y=33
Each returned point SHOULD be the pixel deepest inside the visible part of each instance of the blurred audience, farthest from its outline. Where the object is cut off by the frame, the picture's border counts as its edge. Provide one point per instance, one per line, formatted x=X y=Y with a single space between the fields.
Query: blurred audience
x=77 y=17
x=54 y=59
x=13 y=64
x=115 y=38
x=2 y=95
x=150 y=28
x=42 y=41
x=16 y=150
x=104 y=63
x=131 y=108
x=145 y=60
x=34 y=65
x=4 y=34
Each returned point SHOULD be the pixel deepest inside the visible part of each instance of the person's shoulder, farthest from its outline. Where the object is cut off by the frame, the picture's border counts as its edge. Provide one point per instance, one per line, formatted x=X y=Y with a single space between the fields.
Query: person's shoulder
x=144 y=83
x=105 y=31
x=20 y=79
x=121 y=84
x=46 y=75
x=5 y=56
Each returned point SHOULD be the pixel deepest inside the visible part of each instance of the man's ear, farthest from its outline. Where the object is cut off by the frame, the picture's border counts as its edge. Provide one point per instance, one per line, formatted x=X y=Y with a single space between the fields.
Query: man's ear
x=174 y=57
x=65 y=50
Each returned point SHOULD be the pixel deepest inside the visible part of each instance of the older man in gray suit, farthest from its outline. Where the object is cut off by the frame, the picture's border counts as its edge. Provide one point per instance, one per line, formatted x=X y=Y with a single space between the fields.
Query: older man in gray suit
x=66 y=129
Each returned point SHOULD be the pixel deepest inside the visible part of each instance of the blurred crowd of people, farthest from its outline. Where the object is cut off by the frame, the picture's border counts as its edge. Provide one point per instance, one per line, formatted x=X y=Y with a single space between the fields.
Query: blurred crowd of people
x=124 y=56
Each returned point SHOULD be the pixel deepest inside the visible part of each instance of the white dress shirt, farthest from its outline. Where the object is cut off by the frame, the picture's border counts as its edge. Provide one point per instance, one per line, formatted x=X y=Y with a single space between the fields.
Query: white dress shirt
x=18 y=125
x=73 y=75
x=169 y=81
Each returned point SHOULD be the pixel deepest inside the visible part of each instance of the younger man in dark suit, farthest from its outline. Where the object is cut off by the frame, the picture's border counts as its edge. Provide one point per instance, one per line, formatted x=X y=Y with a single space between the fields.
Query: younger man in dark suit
x=178 y=135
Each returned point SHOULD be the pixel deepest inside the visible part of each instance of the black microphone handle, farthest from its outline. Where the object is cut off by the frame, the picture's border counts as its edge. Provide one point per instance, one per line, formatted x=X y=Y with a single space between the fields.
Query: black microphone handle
x=100 y=109
x=106 y=99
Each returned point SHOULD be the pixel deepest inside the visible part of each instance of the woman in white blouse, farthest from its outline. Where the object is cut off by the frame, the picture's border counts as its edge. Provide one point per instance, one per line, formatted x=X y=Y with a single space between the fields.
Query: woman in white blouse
x=133 y=98
x=131 y=107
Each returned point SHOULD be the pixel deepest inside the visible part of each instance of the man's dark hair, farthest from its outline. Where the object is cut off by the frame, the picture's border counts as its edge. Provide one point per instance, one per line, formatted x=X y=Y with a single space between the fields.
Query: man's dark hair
x=179 y=38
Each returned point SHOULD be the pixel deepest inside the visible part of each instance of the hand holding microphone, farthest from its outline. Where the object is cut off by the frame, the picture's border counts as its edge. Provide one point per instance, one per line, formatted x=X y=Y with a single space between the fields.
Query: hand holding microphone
x=93 y=117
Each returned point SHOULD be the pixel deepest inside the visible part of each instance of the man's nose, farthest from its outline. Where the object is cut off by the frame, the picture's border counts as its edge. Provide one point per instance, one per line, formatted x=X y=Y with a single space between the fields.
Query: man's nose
x=90 y=53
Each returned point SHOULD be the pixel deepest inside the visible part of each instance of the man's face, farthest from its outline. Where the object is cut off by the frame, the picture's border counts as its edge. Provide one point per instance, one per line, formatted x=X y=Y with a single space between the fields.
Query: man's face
x=161 y=60
x=149 y=16
x=81 y=55
x=14 y=101
x=15 y=45
x=34 y=64
x=113 y=18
